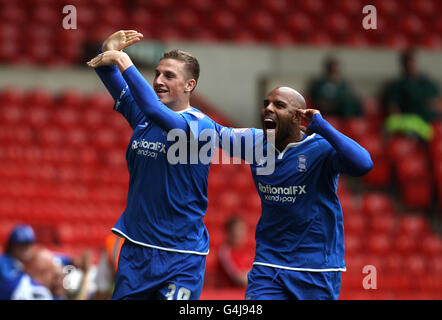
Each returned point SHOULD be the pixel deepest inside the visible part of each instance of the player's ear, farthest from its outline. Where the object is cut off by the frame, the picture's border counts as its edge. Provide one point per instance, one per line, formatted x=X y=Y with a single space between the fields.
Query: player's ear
x=190 y=85
x=296 y=118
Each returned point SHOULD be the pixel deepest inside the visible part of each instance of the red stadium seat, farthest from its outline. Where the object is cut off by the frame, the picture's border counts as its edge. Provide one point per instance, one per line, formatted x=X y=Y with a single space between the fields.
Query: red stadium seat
x=385 y=224
x=12 y=115
x=320 y=39
x=202 y=6
x=51 y=136
x=77 y=137
x=12 y=96
x=243 y=183
x=13 y=12
x=356 y=39
x=417 y=194
x=405 y=244
x=355 y=224
x=65 y=118
x=359 y=128
x=38 y=97
x=252 y=203
x=337 y=25
x=412 y=25
x=187 y=20
x=228 y=201
x=349 y=7
x=70 y=98
x=12 y=53
x=432 y=41
x=92 y=119
x=389 y=7
x=45 y=15
x=415 y=264
x=373 y=143
x=394 y=263
x=348 y=203
x=431 y=245
x=224 y=21
x=236 y=6
x=38 y=117
x=380 y=175
x=379 y=244
x=413 y=225
x=374 y=204
x=354 y=243
x=112 y=16
x=396 y=41
x=399 y=147
x=276 y=7
x=424 y=8
x=315 y=7
x=262 y=23
x=299 y=24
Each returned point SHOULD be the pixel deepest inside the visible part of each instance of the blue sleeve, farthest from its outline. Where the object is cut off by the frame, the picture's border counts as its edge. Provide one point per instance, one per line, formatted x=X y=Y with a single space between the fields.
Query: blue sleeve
x=118 y=89
x=349 y=157
x=149 y=103
x=239 y=142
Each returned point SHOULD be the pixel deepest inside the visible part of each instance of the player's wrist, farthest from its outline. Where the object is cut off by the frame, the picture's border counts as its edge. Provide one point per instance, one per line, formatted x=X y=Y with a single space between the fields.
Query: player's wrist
x=123 y=61
x=315 y=124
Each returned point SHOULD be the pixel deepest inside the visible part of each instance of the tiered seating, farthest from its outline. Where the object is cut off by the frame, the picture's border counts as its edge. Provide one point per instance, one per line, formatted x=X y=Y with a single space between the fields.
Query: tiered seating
x=377 y=235
x=30 y=31
x=436 y=159
x=59 y=171
x=64 y=172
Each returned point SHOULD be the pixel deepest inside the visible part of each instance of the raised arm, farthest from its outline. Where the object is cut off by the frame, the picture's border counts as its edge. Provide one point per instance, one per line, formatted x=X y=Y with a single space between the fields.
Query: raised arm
x=143 y=94
x=114 y=81
x=239 y=142
x=110 y=75
x=350 y=157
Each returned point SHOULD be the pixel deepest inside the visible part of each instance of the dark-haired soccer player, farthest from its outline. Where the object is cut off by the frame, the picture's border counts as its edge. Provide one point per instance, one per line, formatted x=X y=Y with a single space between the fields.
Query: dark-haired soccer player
x=300 y=235
x=167 y=242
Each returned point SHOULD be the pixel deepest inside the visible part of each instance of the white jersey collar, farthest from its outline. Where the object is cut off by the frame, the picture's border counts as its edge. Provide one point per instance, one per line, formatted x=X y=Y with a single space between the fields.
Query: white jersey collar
x=292 y=145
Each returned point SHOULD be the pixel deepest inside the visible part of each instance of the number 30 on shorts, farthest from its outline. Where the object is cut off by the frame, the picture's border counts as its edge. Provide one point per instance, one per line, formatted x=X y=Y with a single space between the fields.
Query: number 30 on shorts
x=182 y=294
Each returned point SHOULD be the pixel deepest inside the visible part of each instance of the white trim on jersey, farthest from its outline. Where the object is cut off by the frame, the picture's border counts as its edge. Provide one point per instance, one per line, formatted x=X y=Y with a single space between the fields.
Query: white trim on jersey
x=184 y=110
x=293 y=144
x=299 y=269
x=157 y=247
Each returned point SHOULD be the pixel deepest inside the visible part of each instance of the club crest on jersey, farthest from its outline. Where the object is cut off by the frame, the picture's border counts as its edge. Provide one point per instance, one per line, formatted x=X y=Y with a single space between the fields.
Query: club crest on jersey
x=302 y=163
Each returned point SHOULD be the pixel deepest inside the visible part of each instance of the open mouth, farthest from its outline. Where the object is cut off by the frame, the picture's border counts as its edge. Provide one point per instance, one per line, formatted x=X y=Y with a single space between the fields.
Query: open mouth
x=160 y=91
x=269 y=124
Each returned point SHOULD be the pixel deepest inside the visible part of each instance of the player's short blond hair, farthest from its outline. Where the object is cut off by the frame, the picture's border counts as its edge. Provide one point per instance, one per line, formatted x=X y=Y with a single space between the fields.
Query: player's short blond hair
x=191 y=63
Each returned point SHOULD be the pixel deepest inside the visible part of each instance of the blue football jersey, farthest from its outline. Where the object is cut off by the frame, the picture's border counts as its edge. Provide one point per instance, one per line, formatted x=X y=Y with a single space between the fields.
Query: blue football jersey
x=301 y=224
x=166 y=201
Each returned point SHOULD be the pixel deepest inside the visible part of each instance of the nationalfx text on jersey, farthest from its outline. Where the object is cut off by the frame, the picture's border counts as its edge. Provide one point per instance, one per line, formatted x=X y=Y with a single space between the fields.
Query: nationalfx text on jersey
x=281 y=194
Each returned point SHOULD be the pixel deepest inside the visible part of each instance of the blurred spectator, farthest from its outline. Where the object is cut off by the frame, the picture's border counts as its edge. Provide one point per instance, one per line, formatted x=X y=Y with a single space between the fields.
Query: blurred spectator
x=107 y=267
x=41 y=268
x=332 y=94
x=15 y=284
x=234 y=257
x=79 y=280
x=410 y=101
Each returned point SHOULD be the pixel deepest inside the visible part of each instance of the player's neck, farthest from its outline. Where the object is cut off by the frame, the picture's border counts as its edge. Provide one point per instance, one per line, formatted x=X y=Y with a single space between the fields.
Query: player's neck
x=296 y=136
x=179 y=106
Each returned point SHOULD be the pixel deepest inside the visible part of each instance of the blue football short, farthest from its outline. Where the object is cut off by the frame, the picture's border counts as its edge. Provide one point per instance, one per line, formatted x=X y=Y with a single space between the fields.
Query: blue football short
x=146 y=273
x=268 y=283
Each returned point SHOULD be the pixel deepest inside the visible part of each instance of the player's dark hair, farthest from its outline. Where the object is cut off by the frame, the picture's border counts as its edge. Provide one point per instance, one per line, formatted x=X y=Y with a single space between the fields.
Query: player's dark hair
x=191 y=63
